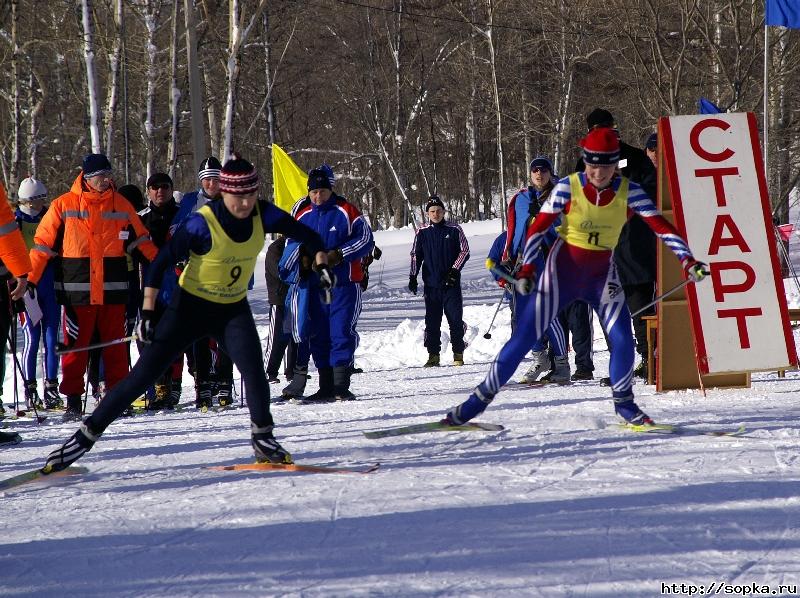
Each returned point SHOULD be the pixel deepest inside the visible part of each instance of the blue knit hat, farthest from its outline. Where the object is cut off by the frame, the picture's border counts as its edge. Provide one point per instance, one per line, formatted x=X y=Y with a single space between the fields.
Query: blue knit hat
x=329 y=171
x=95 y=164
x=318 y=179
x=652 y=142
x=542 y=162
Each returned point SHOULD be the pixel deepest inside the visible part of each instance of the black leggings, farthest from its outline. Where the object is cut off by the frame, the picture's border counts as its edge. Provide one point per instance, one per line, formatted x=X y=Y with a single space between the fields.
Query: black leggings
x=187 y=319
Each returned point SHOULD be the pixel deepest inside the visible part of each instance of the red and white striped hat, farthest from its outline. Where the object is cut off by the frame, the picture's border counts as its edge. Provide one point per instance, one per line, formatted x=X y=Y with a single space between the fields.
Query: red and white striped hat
x=238 y=177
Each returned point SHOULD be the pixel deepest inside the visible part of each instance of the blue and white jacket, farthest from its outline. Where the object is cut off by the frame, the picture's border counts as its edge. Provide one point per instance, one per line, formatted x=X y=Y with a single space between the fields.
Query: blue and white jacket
x=341 y=226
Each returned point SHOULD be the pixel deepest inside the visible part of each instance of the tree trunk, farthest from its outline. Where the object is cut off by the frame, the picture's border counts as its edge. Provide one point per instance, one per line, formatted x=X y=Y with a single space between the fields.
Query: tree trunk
x=16 y=141
x=195 y=87
x=91 y=78
x=151 y=51
x=115 y=60
x=175 y=93
x=237 y=37
x=498 y=113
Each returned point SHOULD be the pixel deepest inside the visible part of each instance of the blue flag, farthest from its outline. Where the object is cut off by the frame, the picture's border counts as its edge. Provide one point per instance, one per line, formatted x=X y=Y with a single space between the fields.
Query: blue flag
x=785 y=13
x=708 y=107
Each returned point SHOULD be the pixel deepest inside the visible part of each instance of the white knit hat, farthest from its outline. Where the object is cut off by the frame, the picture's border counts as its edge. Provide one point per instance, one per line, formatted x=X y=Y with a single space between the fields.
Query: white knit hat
x=31 y=188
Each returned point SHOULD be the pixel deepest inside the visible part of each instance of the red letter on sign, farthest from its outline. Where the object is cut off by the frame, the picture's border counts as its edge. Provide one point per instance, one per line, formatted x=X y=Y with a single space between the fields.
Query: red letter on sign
x=735 y=239
x=716 y=279
x=741 y=322
x=694 y=140
x=717 y=174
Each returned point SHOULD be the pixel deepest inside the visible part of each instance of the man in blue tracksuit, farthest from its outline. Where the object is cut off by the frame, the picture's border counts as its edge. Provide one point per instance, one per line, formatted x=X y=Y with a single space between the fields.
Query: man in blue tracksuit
x=440 y=250
x=347 y=238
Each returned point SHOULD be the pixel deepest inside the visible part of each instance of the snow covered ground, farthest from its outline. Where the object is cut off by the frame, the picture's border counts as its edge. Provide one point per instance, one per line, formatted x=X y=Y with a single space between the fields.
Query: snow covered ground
x=561 y=503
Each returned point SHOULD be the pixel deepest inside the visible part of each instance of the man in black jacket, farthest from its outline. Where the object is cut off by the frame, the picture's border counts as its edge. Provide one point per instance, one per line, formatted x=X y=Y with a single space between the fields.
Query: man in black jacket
x=635 y=254
x=157 y=217
x=440 y=250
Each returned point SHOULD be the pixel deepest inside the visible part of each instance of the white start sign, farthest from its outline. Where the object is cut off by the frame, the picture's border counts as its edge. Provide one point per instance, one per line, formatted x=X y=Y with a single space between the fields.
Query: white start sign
x=719 y=196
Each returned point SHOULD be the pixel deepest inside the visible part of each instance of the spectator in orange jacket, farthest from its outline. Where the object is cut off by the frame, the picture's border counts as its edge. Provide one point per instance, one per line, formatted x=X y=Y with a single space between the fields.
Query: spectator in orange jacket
x=14 y=268
x=91 y=229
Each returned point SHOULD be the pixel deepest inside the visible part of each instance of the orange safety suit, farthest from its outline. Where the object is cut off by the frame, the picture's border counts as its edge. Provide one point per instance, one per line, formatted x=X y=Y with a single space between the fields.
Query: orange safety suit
x=89 y=235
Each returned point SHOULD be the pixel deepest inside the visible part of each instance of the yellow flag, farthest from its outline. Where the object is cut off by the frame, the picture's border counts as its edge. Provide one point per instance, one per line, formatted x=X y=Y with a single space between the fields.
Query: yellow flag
x=289 y=181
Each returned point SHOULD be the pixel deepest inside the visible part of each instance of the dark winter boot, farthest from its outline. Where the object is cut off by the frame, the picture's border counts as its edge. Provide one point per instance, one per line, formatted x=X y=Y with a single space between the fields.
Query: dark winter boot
x=641 y=369
x=296 y=388
x=161 y=399
x=73 y=449
x=74 y=410
x=10 y=438
x=52 y=400
x=341 y=384
x=32 y=395
x=433 y=360
x=560 y=372
x=202 y=392
x=175 y=392
x=325 y=394
x=265 y=446
x=225 y=393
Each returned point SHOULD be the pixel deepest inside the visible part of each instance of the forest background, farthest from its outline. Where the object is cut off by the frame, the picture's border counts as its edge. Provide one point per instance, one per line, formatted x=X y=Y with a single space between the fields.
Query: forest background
x=403 y=98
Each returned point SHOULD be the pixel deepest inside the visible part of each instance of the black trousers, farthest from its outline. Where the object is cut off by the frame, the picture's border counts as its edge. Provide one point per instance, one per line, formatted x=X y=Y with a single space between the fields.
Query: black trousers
x=637 y=296
x=186 y=320
x=576 y=319
x=447 y=301
x=280 y=344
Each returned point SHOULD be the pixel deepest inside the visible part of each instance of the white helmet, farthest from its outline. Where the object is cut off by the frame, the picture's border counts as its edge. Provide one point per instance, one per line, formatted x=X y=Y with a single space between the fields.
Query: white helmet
x=31 y=188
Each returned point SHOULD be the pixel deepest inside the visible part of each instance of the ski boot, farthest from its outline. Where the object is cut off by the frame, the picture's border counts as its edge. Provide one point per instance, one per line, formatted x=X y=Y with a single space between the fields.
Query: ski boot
x=560 y=373
x=476 y=404
x=52 y=400
x=265 y=446
x=203 y=396
x=433 y=360
x=161 y=399
x=295 y=388
x=73 y=449
x=175 y=393
x=74 y=410
x=458 y=359
x=540 y=365
x=225 y=393
x=32 y=400
x=582 y=375
x=628 y=410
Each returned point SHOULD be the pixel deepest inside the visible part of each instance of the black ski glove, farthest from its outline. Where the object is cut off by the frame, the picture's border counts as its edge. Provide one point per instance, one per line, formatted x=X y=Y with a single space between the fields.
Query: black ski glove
x=452 y=278
x=146 y=328
x=412 y=284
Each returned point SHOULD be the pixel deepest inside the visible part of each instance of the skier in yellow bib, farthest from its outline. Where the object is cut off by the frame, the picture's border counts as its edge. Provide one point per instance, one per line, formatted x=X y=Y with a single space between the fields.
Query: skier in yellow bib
x=222 y=242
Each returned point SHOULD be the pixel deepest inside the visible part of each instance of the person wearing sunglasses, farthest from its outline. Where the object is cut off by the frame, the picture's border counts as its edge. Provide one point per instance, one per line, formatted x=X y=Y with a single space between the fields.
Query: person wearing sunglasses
x=157 y=217
x=522 y=209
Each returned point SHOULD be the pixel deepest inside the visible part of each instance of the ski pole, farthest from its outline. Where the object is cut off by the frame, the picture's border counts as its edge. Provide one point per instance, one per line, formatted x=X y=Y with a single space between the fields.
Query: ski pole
x=661 y=297
x=491 y=325
x=61 y=348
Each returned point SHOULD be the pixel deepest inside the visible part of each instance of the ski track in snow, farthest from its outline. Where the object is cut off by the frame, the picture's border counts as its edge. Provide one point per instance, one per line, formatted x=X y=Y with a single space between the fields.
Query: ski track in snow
x=560 y=503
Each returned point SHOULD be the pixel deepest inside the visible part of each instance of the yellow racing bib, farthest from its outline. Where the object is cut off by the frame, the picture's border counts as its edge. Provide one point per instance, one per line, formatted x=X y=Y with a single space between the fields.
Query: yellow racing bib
x=222 y=274
x=593 y=227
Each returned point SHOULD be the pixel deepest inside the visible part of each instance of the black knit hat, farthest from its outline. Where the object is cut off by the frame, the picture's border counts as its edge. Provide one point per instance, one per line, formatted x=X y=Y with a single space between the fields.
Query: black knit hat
x=209 y=168
x=652 y=142
x=318 y=179
x=600 y=117
x=238 y=177
x=95 y=164
x=433 y=202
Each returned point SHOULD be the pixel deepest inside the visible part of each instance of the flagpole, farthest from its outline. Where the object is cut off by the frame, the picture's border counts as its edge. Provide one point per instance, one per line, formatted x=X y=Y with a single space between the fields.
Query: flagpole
x=766 y=102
